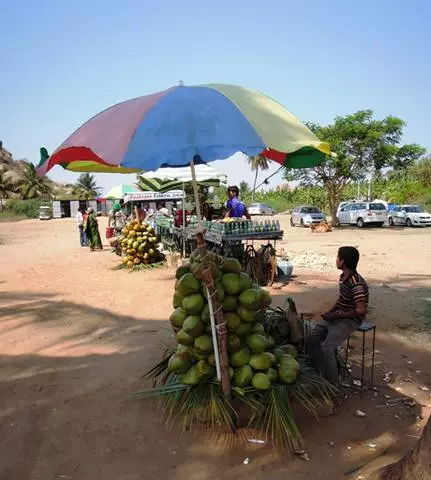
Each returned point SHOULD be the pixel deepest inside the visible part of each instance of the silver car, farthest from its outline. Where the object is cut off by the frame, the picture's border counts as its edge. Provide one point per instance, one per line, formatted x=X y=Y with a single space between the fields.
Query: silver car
x=260 y=209
x=305 y=215
x=362 y=213
x=410 y=216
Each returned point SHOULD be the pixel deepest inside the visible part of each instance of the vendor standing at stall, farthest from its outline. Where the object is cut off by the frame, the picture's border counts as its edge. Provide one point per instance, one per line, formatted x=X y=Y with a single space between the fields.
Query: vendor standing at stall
x=234 y=207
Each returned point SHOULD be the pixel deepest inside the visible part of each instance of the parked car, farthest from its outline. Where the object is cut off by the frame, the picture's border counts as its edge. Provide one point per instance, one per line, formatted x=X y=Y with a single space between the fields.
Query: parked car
x=410 y=216
x=362 y=213
x=306 y=215
x=260 y=209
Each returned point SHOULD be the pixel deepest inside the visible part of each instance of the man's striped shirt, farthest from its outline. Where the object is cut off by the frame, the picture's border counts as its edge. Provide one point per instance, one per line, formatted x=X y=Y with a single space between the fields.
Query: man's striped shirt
x=352 y=290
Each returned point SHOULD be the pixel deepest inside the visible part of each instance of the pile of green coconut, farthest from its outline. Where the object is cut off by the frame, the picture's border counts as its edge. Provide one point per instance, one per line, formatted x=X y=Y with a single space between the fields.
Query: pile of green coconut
x=254 y=360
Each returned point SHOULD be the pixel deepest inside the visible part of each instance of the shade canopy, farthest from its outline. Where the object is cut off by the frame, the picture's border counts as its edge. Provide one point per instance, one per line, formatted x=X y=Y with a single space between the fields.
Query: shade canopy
x=120 y=191
x=171 y=127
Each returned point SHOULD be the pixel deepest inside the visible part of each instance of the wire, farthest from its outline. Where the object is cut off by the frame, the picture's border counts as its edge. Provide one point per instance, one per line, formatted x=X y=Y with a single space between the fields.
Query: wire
x=267 y=178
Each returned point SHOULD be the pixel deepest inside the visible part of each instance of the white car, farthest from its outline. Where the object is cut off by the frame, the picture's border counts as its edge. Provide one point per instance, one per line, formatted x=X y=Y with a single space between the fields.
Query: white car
x=306 y=215
x=410 y=216
x=362 y=213
x=260 y=209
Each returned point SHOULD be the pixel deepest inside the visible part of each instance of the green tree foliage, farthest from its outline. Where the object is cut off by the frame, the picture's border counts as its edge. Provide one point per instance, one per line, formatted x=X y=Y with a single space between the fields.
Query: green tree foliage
x=257 y=162
x=86 y=187
x=362 y=146
x=421 y=171
x=244 y=188
x=6 y=188
x=33 y=186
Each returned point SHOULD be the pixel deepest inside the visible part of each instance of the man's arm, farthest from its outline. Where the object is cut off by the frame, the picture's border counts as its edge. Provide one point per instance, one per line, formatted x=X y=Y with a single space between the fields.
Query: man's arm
x=360 y=309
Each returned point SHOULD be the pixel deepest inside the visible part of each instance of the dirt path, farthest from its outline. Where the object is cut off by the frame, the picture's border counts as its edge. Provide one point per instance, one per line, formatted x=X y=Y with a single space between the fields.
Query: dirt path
x=77 y=336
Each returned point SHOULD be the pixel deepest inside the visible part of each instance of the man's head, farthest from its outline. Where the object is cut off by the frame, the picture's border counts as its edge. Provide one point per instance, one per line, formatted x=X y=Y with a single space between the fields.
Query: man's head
x=121 y=203
x=232 y=191
x=348 y=257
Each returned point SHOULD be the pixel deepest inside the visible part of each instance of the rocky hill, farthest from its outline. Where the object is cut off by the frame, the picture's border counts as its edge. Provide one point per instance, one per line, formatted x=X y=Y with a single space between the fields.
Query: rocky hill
x=15 y=171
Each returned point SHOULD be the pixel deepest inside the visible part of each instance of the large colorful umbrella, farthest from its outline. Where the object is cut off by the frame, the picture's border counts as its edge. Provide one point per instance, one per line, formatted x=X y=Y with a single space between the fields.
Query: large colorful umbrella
x=172 y=127
x=120 y=191
x=166 y=179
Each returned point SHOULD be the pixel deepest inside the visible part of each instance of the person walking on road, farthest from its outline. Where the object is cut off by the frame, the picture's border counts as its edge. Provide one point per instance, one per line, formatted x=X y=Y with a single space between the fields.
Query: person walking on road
x=80 y=221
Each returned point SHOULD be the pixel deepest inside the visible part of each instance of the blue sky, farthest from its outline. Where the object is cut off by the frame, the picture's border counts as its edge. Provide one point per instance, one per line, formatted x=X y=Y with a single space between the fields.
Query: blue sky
x=64 y=61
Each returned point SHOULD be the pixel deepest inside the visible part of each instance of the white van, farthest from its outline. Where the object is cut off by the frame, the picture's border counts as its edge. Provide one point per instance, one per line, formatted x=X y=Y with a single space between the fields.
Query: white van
x=363 y=213
x=45 y=212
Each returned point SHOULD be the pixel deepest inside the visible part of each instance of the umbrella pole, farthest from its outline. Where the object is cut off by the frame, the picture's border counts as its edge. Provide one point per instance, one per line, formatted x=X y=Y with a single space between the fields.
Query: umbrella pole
x=196 y=192
x=184 y=220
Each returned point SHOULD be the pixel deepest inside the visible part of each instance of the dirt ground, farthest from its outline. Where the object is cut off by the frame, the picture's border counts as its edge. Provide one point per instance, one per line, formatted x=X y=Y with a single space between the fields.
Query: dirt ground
x=77 y=336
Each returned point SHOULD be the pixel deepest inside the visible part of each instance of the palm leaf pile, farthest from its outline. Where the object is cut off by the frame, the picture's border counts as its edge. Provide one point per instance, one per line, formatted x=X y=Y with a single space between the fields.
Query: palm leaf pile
x=140 y=267
x=270 y=412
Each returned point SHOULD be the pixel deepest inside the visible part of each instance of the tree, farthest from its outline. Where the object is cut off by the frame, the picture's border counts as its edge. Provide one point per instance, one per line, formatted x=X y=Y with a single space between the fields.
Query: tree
x=257 y=162
x=33 y=186
x=244 y=188
x=6 y=188
x=421 y=171
x=361 y=146
x=416 y=462
x=86 y=187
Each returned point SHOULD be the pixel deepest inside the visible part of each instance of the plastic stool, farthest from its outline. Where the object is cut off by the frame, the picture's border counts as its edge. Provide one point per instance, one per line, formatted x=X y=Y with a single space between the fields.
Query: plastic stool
x=364 y=328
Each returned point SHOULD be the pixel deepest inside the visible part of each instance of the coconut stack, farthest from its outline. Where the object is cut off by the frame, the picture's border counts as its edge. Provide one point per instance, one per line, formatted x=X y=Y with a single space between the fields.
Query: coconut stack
x=253 y=358
x=139 y=244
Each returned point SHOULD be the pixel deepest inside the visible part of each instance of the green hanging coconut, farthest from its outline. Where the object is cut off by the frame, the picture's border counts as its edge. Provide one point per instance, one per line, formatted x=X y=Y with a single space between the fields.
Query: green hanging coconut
x=245 y=281
x=193 y=325
x=192 y=376
x=231 y=283
x=271 y=356
x=233 y=342
x=246 y=315
x=258 y=328
x=250 y=299
x=177 y=300
x=244 y=329
x=181 y=271
x=177 y=317
x=289 y=349
x=212 y=360
x=240 y=358
x=260 y=381
x=231 y=373
x=183 y=348
x=187 y=285
x=205 y=314
x=229 y=303
x=184 y=338
x=205 y=370
x=243 y=376
x=272 y=374
x=260 y=361
x=219 y=290
x=204 y=344
x=194 y=304
x=256 y=342
x=231 y=265
x=265 y=299
x=288 y=369
x=179 y=363
x=232 y=321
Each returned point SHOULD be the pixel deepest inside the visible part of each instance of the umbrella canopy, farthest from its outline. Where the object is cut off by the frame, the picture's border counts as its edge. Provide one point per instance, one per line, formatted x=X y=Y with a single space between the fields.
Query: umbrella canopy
x=120 y=191
x=166 y=179
x=171 y=127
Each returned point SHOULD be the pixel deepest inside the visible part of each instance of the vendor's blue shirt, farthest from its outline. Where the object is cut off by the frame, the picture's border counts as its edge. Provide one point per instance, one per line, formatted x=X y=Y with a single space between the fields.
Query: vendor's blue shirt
x=236 y=207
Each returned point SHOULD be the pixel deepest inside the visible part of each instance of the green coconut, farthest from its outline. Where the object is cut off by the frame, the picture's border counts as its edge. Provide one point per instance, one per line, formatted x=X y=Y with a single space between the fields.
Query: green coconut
x=193 y=325
x=288 y=369
x=246 y=315
x=233 y=321
x=265 y=299
x=233 y=342
x=272 y=374
x=231 y=372
x=231 y=283
x=243 y=376
x=211 y=359
x=261 y=381
x=245 y=281
x=240 y=358
x=256 y=342
x=177 y=317
x=229 y=303
x=231 y=265
x=272 y=357
x=244 y=329
x=198 y=355
x=205 y=370
x=183 y=348
x=188 y=284
x=219 y=290
x=181 y=271
x=184 y=338
x=289 y=349
x=258 y=328
x=192 y=376
x=194 y=304
x=204 y=344
x=260 y=361
x=179 y=363
x=205 y=314
x=250 y=299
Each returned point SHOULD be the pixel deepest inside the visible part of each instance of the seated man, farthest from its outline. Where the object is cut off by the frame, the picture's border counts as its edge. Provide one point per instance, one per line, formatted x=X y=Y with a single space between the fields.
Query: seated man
x=342 y=319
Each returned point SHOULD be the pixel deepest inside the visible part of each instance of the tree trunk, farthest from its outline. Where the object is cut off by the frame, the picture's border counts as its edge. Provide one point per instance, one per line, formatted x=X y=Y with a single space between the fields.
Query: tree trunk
x=1 y=204
x=254 y=184
x=416 y=463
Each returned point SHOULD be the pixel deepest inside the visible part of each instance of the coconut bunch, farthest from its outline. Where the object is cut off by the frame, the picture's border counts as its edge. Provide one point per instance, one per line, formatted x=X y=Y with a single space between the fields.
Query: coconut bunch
x=253 y=358
x=139 y=245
